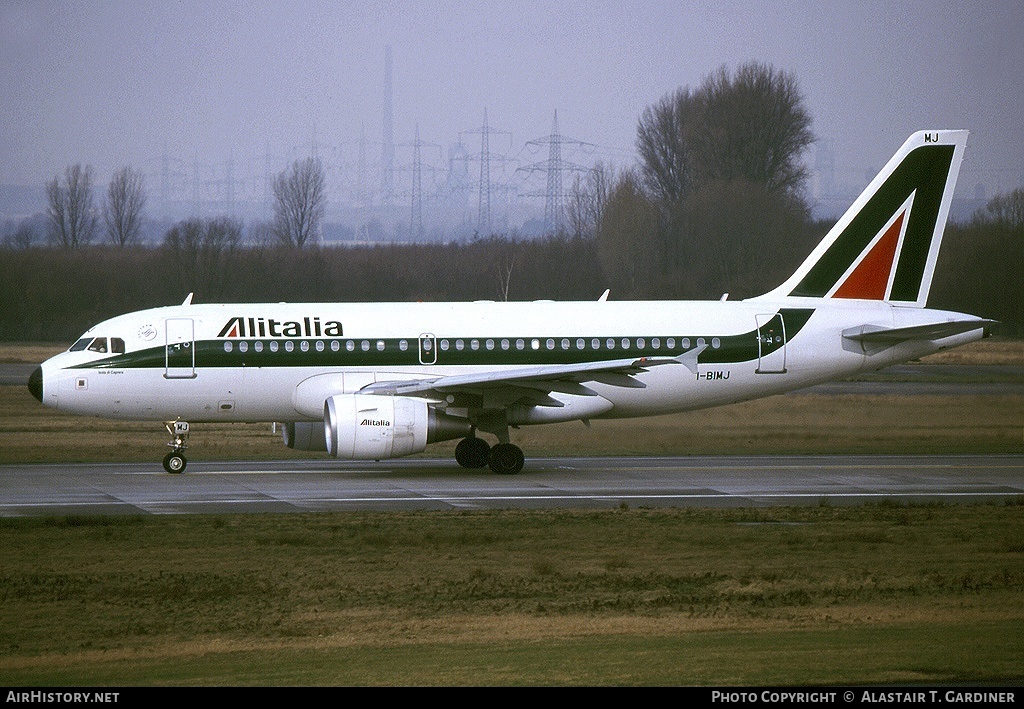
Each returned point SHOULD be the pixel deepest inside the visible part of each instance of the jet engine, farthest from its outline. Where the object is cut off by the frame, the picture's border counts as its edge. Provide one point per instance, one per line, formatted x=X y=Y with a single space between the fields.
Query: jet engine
x=372 y=427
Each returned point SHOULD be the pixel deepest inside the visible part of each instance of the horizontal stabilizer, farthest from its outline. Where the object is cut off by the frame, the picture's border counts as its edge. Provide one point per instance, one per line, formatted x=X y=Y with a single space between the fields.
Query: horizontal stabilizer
x=934 y=331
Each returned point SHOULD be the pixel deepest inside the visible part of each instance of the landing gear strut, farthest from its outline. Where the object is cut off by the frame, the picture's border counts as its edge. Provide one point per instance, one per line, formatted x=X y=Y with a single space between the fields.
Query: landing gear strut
x=175 y=461
x=504 y=458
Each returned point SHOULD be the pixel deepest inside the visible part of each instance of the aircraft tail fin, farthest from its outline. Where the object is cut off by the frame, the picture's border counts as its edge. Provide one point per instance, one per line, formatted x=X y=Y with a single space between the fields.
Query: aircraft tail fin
x=886 y=245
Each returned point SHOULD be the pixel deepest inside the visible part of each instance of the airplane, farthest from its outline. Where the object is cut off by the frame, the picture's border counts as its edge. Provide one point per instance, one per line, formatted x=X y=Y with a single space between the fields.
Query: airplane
x=374 y=381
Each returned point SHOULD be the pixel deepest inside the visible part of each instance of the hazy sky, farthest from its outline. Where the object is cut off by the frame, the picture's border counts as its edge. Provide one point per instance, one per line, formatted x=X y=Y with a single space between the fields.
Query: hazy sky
x=115 y=83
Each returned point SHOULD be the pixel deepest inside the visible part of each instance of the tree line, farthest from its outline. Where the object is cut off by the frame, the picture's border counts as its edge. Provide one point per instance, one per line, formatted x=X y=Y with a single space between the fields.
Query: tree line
x=74 y=218
x=715 y=204
x=54 y=294
x=980 y=269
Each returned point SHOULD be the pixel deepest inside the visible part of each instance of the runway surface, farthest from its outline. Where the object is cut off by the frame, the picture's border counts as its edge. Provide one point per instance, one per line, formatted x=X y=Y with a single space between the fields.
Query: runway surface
x=423 y=484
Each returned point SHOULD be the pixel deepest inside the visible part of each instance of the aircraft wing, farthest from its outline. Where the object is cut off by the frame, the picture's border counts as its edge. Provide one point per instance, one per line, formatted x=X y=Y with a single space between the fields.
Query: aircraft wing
x=529 y=384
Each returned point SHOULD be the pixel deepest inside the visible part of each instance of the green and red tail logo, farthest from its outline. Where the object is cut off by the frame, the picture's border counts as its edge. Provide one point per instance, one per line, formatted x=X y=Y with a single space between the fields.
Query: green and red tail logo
x=871 y=276
x=885 y=246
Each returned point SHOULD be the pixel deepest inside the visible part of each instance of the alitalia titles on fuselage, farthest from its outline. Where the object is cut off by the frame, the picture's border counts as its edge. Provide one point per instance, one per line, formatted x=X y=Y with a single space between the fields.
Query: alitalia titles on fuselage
x=269 y=327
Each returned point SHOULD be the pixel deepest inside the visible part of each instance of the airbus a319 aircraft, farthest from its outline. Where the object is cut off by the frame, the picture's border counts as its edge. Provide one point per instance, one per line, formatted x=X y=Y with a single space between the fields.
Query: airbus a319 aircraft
x=377 y=381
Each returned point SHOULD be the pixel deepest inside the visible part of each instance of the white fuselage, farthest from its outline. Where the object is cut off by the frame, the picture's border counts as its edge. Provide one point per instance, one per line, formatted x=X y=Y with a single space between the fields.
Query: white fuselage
x=278 y=362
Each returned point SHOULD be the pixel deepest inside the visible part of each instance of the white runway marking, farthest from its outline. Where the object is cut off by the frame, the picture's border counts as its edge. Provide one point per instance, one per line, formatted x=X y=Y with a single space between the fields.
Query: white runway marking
x=320 y=485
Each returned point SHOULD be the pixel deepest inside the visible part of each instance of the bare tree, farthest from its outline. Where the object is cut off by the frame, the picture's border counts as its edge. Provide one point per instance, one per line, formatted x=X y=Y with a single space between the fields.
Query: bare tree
x=1004 y=210
x=664 y=144
x=751 y=125
x=707 y=155
x=299 y=202
x=724 y=231
x=588 y=198
x=72 y=218
x=125 y=201
x=504 y=268
x=754 y=128
x=980 y=263
x=203 y=253
x=22 y=237
x=627 y=242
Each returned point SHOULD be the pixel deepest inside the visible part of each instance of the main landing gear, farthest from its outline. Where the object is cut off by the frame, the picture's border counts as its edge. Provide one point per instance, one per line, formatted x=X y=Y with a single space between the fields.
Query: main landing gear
x=175 y=461
x=504 y=458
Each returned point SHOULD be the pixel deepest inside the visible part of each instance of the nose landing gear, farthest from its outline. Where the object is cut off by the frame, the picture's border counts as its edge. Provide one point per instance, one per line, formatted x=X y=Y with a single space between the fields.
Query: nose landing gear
x=175 y=461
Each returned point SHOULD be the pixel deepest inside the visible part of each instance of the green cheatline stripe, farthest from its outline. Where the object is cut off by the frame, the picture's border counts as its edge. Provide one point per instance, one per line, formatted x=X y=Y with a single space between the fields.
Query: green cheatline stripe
x=259 y=351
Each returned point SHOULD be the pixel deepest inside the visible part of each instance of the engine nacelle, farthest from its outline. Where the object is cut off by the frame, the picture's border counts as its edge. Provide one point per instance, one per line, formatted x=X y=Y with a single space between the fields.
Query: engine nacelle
x=304 y=435
x=371 y=427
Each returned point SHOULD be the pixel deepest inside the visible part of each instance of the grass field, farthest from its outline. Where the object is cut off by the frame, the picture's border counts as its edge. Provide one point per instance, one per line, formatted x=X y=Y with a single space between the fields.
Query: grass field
x=876 y=594
x=790 y=424
x=820 y=595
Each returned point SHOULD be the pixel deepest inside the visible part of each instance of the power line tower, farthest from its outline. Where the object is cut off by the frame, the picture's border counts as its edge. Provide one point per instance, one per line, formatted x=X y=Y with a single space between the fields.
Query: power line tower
x=268 y=183
x=416 y=221
x=485 y=157
x=484 y=221
x=362 y=200
x=554 y=166
x=229 y=185
x=388 y=149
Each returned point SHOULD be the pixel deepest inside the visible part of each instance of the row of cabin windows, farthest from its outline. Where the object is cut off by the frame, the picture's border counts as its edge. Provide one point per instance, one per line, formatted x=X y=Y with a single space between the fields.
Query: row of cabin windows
x=304 y=346
x=566 y=344
x=445 y=344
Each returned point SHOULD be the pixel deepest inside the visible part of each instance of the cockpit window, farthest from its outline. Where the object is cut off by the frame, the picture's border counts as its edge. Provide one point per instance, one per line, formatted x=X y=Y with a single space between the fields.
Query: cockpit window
x=98 y=345
x=116 y=345
x=80 y=345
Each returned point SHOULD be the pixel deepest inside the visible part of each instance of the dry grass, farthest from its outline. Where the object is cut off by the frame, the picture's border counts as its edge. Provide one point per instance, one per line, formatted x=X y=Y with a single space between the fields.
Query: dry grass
x=789 y=424
x=804 y=424
x=993 y=351
x=29 y=352
x=494 y=597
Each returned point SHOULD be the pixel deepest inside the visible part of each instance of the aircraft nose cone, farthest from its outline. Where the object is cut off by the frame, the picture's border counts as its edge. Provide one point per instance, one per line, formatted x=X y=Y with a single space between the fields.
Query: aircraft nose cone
x=35 y=383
